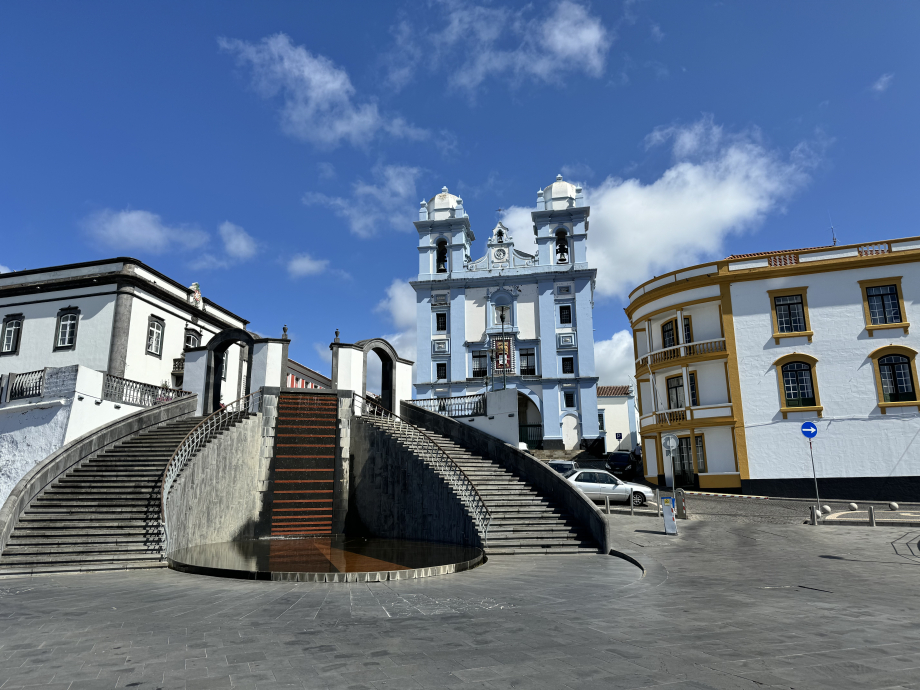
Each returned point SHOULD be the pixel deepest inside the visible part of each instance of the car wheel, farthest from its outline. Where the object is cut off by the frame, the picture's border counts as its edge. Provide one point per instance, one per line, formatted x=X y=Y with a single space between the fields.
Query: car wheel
x=638 y=498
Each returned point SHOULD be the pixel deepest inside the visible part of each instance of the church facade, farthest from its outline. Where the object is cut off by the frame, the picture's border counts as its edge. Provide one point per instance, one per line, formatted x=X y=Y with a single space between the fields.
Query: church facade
x=511 y=319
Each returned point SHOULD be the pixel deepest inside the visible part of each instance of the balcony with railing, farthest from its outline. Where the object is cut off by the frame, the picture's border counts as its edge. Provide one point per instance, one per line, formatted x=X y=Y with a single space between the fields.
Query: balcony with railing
x=129 y=392
x=460 y=406
x=703 y=349
x=687 y=416
x=31 y=384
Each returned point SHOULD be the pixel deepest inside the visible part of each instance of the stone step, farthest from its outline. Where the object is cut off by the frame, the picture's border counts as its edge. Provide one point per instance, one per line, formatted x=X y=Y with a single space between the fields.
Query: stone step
x=80 y=521
x=16 y=550
x=53 y=559
x=587 y=549
x=79 y=567
x=64 y=536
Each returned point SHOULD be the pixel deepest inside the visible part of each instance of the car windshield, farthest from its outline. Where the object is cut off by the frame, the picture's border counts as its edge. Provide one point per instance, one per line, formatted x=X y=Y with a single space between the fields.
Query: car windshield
x=561 y=467
x=568 y=474
x=619 y=457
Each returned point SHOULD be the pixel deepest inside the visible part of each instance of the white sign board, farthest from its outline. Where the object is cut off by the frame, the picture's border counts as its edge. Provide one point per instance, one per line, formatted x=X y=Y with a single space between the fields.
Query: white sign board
x=669 y=442
x=669 y=510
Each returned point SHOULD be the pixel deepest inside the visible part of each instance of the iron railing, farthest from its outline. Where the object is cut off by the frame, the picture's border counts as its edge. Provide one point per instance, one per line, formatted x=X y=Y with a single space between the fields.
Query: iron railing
x=117 y=389
x=28 y=385
x=431 y=453
x=532 y=435
x=460 y=406
x=178 y=365
x=209 y=427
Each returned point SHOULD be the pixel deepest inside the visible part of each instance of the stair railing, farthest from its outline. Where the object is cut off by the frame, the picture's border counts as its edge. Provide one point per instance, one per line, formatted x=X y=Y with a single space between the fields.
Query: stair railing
x=196 y=439
x=429 y=450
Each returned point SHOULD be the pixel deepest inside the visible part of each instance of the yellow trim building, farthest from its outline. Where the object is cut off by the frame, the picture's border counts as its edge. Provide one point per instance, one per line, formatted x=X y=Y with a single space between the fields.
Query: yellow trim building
x=732 y=356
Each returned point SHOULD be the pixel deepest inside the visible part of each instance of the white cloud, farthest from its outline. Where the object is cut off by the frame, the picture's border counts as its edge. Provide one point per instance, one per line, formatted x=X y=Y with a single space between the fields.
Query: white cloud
x=399 y=306
x=326 y=171
x=5 y=269
x=519 y=222
x=577 y=172
x=883 y=83
x=238 y=244
x=389 y=201
x=471 y=43
x=656 y=33
x=323 y=352
x=614 y=361
x=305 y=265
x=718 y=184
x=130 y=231
x=319 y=103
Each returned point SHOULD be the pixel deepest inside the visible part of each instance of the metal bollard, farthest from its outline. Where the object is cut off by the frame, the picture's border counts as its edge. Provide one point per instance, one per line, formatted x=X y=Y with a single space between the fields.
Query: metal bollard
x=814 y=519
x=872 y=516
x=658 y=502
x=632 y=506
x=607 y=504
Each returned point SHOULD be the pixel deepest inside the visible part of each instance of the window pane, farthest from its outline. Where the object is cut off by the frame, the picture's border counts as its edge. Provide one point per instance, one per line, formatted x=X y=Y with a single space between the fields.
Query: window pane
x=675 y=393
x=693 y=399
x=570 y=400
x=790 y=314
x=480 y=363
x=897 y=379
x=667 y=335
x=700 y=455
x=688 y=336
x=600 y=421
x=568 y=365
x=11 y=335
x=798 y=385
x=442 y=371
x=883 y=304
x=441 y=322
x=565 y=314
x=68 y=330
x=528 y=361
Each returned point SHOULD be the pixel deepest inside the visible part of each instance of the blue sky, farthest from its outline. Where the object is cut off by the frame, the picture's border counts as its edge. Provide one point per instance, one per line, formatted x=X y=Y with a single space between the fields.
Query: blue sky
x=277 y=152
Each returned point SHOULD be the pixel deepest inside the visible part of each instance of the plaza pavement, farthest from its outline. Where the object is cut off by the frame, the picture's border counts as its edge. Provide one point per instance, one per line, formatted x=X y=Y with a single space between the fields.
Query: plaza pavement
x=720 y=606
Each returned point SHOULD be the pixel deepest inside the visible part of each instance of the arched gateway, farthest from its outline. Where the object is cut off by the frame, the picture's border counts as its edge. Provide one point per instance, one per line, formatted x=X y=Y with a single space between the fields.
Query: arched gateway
x=349 y=370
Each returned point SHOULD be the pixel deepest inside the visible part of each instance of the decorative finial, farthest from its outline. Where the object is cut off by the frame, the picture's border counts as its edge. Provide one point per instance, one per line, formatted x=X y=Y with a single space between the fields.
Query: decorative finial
x=559 y=177
x=284 y=335
x=336 y=335
x=422 y=203
x=444 y=189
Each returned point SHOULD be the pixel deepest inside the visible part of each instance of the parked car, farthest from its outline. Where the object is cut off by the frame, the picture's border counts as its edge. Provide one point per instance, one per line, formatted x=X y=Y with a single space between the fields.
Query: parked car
x=563 y=466
x=623 y=464
x=597 y=484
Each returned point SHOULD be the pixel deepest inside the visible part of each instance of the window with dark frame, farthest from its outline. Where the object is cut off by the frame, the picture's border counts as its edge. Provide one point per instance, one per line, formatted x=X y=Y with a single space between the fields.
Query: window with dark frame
x=884 y=306
x=11 y=335
x=192 y=339
x=480 y=363
x=798 y=385
x=668 y=336
x=441 y=368
x=676 y=393
x=790 y=313
x=569 y=398
x=897 y=379
x=700 y=456
x=600 y=421
x=528 y=361
x=688 y=331
x=565 y=314
x=694 y=401
x=568 y=365
x=65 y=337
x=155 y=328
x=441 y=322
x=224 y=364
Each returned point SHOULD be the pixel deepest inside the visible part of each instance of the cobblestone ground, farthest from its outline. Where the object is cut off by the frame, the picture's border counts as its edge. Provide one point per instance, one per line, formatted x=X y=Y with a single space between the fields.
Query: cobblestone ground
x=718 y=606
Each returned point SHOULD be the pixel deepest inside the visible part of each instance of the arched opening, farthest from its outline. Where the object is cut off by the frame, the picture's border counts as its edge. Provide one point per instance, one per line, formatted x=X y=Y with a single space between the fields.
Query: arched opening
x=218 y=361
x=530 y=423
x=562 y=247
x=441 y=257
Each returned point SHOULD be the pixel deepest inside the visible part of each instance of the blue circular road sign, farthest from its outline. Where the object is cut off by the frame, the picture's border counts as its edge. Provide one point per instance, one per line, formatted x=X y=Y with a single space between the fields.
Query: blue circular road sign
x=809 y=430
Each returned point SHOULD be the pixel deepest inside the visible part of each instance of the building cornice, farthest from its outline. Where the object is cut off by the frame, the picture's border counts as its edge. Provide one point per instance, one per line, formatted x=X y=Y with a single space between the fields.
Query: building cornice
x=726 y=276
x=530 y=274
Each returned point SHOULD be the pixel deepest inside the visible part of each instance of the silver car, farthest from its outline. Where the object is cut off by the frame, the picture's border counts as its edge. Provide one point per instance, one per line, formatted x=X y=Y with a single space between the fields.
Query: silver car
x=596 y=484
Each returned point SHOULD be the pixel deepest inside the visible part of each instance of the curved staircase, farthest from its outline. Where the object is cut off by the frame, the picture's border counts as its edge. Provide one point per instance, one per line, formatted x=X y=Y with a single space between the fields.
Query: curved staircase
x=103 y=514
x=523 y=521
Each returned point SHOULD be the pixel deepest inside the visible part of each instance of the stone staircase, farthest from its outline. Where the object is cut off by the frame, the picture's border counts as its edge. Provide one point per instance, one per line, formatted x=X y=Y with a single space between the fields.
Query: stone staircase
x=523 y=521
x=103 y=514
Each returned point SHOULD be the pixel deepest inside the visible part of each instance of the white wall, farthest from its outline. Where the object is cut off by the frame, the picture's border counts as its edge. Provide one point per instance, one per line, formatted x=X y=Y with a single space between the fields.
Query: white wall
x=616 y=420
x=854 y=438
x=36 y=349
x=528 y=312
x=92 y=411
x=502 y=420
x=720 y=453
x=29 y=433
x=475 y=314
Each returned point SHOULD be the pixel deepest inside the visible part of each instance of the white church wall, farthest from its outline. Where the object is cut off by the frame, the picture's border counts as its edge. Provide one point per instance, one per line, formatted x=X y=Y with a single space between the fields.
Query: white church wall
x=528 y=312
x=475 y=315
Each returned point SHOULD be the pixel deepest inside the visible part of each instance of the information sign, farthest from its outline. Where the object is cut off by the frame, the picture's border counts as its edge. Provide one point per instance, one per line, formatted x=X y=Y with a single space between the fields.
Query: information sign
x=619 y=437
x=809 y=430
